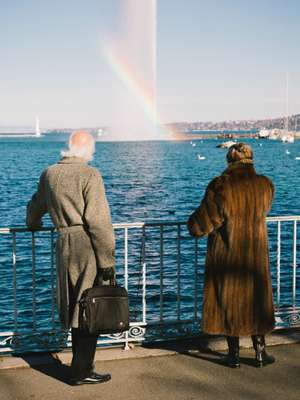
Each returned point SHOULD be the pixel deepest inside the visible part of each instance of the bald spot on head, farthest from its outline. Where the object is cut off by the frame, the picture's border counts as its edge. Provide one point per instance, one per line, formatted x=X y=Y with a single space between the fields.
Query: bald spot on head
x=81 y=144
x=81 y=139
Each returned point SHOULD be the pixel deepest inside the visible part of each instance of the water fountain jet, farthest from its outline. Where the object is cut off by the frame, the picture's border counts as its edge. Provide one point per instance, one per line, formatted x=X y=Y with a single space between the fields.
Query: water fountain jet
x=131 y=55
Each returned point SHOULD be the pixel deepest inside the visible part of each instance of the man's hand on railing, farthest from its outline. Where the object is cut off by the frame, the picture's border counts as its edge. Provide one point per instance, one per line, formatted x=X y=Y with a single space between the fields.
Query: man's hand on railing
x=105 y=274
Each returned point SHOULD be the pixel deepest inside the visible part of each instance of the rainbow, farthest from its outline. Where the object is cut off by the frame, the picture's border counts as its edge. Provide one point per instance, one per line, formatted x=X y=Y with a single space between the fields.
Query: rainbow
x=143 y=93
x=134 y=84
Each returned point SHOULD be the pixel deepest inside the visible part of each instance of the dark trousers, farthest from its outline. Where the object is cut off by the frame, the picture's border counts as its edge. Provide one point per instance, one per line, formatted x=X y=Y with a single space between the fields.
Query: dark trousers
x=83 y=348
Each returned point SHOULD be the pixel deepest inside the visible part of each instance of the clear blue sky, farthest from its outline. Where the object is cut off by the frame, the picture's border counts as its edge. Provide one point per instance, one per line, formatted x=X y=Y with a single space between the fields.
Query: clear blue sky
x=216 y=60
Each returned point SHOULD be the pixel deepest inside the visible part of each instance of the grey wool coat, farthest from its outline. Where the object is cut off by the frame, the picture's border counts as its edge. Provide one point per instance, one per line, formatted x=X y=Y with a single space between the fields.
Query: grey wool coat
x=73 y=194
x=238 y=296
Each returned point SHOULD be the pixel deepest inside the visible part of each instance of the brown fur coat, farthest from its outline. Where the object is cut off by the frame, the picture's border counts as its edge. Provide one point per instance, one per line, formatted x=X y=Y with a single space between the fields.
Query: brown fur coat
x=237 y=292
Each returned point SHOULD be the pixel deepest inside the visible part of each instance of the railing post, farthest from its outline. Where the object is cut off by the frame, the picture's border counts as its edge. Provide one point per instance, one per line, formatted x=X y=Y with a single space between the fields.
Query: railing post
x=33 y=281
x=195 y=281
x=144 y=271
x=278 y=261
x=52 y=281
x=161 y=274
x=294 y=262
x=126 y=345
x=14 y=257
x=178 y=272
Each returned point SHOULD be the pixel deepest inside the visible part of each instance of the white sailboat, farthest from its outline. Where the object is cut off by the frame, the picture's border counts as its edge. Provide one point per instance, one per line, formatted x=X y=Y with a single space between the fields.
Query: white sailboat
x=37 y=127
x=264 y=134
x=288 y=136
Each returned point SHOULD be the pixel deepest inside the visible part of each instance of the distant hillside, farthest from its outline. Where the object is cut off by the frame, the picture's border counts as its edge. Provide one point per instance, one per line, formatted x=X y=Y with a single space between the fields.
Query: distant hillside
x=294 y=124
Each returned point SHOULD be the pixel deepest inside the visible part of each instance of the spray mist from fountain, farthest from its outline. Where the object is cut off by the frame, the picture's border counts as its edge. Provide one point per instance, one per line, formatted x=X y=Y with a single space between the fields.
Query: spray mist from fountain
x=131 y=54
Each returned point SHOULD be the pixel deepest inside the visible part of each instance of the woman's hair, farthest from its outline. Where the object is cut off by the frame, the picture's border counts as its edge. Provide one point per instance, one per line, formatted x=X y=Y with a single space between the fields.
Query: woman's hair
x=239 y=152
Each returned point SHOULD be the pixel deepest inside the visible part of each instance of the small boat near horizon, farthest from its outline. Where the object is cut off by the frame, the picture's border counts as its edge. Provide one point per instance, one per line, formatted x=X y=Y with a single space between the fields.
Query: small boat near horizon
x=226 y=145
x=283 y=135
x=288 y=138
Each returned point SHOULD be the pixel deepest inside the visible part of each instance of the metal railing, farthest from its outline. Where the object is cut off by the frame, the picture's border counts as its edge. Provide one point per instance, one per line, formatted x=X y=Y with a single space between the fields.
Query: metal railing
x=10 y=339
x=159 y=263
x=286 y=279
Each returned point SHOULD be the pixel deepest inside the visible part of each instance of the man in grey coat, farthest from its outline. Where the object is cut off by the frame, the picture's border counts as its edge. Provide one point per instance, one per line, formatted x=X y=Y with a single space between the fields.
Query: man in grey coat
x=73 y=194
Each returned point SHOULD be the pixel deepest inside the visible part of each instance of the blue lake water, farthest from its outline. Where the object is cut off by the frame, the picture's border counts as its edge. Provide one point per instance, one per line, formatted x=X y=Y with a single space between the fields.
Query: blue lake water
x=145 y=181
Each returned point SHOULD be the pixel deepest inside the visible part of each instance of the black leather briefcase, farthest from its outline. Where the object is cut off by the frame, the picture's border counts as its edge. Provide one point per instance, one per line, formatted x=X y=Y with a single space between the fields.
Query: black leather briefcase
x=104 y=310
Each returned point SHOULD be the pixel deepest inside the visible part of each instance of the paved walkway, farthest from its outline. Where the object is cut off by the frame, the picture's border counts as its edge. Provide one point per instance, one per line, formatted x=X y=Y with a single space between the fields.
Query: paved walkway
x=185 y=375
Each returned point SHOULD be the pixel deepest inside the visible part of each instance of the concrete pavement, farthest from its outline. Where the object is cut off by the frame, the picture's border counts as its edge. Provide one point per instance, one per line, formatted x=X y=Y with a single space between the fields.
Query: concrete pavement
x=182 y=373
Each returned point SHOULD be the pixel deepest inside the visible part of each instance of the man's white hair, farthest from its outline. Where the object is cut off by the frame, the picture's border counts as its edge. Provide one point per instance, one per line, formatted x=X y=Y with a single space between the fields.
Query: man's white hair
x=81 y=144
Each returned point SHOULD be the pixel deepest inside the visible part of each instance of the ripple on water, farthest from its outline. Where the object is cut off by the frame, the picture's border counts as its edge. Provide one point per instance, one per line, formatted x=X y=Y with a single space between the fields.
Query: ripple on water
x=145 y=181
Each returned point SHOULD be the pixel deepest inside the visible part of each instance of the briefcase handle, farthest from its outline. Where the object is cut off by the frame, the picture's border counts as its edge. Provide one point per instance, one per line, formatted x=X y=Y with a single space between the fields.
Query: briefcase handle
x=101 y=274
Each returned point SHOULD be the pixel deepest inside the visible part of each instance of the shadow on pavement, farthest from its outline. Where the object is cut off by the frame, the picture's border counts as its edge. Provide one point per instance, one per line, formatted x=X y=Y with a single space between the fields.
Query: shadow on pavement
x=50 y=366
x=199 y=348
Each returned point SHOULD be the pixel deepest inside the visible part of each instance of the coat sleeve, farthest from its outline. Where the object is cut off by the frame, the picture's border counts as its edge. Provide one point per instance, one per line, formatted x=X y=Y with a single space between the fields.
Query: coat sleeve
x=270 y=195
x=37 y=206
x=98 y=221
x=208 y=217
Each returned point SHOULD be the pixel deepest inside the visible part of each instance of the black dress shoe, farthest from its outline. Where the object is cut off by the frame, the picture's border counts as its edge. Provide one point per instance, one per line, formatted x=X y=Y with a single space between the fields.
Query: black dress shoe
x=233 y=361
x=262 y=359
x=92 y=379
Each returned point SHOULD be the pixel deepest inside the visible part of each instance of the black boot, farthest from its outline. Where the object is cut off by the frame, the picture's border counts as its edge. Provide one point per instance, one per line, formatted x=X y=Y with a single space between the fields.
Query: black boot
x=261 y=356
x=233 y=359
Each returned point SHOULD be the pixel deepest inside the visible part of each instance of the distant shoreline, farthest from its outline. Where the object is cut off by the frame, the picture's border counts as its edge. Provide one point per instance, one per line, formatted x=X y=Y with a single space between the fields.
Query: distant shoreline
x=180 y=136
x=198 y=136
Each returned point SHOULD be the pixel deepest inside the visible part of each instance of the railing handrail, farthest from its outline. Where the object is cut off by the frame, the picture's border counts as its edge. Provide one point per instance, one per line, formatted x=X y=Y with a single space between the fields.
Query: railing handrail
x=130 y=225
x=268 y=219
x=121 y=225
x=284 y=218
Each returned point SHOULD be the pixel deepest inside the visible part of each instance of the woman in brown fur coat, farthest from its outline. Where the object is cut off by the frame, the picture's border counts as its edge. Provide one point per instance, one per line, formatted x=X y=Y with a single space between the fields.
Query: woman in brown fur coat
x=238 y=292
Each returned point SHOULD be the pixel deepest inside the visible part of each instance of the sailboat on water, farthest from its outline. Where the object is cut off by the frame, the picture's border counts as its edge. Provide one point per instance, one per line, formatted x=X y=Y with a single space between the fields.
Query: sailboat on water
x=284 y=135
x=37 y=127
x=22 y=132
x=287 y=136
